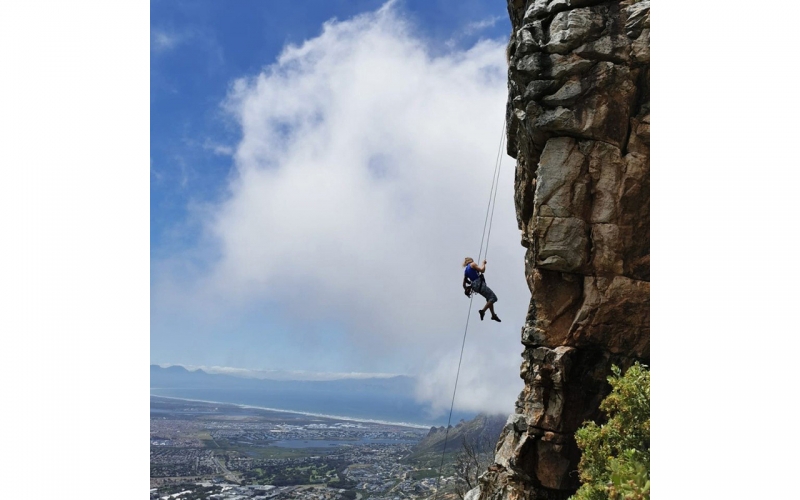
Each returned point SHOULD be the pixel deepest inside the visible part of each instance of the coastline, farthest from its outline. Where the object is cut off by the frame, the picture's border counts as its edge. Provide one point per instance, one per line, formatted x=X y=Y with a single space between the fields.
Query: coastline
x=306 y=413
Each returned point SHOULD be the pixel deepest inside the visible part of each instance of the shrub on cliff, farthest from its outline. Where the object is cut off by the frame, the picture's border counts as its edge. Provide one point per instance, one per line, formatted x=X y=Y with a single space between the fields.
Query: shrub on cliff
x=615 y=464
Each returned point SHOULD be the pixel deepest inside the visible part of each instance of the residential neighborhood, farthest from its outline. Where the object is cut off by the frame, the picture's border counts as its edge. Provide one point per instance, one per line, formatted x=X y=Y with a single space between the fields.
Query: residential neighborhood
x=205 y=451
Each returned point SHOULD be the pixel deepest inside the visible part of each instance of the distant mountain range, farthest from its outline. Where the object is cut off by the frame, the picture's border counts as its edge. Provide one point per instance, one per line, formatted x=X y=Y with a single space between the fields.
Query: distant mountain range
x=481 y=433
x=382 y=398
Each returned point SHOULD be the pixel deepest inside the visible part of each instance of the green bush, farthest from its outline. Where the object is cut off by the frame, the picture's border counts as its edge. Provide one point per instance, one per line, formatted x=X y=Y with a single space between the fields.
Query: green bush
x=615 y=464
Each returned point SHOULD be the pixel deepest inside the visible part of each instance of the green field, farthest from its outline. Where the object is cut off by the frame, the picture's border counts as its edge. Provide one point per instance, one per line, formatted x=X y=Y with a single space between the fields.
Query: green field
x=424 y=473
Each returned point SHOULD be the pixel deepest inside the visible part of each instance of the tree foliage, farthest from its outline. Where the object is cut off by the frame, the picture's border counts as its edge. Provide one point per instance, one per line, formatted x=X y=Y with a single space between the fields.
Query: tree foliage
x=615 y=464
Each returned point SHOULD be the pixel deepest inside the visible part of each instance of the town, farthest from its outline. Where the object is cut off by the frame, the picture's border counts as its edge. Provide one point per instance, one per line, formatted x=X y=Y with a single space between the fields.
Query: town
x=215 y=451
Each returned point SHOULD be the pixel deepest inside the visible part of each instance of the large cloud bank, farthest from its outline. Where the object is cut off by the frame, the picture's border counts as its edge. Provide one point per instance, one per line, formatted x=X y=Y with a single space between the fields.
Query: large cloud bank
x=360 y=184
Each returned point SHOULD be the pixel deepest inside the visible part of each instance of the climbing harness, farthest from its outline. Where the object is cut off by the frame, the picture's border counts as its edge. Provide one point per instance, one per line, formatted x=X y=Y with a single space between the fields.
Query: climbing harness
x=483 y=252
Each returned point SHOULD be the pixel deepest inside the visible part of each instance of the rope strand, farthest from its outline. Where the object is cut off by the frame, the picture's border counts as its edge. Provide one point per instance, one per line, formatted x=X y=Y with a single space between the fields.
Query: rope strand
x=493 y=188
x=484 y=237
x=494 y=202
x=489 y=217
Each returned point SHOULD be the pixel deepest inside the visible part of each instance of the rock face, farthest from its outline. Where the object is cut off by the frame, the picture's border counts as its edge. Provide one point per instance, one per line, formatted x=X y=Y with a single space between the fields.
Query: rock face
x=578 y=124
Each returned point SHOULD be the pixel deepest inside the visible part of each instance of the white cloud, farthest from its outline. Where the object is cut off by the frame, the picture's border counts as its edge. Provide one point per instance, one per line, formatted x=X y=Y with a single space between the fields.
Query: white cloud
x=481 y=25
x=488 y=380
x=217 y=148
x=471 y=29
x=162 y=40
x=361 y=183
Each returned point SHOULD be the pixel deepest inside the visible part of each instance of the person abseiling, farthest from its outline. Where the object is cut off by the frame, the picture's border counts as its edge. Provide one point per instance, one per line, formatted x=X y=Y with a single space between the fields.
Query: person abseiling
x=473 y=278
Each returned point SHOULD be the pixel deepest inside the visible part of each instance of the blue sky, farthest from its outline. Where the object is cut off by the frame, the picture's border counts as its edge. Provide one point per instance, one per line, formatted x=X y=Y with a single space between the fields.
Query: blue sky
x=318 y=172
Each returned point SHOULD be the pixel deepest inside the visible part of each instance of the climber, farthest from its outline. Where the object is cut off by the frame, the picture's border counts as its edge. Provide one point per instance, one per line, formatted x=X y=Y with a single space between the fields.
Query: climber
x=473 y=278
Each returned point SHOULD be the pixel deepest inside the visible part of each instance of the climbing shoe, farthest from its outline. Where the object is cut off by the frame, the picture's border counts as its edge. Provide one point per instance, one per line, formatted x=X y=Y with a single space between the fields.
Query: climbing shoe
x=482 y=313
x=495 y=318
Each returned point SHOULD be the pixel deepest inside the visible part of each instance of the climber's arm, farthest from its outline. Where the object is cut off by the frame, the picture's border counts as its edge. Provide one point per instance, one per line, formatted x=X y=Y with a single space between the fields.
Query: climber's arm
x=481 y=269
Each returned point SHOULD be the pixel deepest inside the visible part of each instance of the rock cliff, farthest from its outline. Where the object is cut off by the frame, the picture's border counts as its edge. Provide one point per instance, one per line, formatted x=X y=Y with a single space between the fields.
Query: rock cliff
x=578 y=124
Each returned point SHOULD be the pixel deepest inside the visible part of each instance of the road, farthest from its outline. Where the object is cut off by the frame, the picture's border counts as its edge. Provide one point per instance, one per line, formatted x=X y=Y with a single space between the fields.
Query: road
x=229 y=476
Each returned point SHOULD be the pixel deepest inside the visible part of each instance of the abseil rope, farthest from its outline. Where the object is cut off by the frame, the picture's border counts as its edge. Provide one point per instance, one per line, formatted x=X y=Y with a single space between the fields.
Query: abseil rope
x=484 y=237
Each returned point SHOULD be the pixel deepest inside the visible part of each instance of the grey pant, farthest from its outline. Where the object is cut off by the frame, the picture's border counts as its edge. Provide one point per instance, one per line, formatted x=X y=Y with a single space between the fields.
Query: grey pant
x=479 y=286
